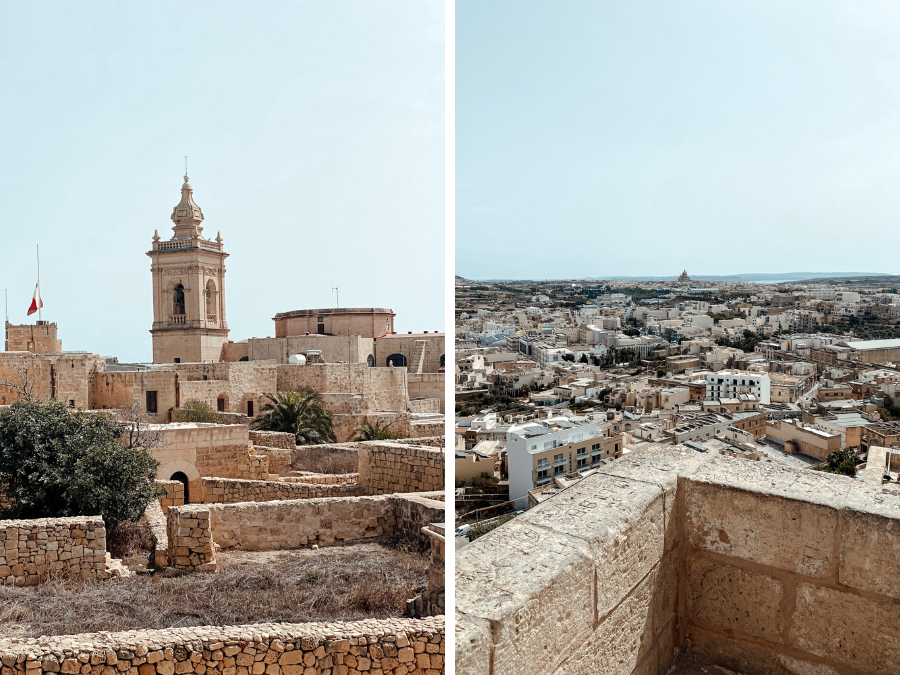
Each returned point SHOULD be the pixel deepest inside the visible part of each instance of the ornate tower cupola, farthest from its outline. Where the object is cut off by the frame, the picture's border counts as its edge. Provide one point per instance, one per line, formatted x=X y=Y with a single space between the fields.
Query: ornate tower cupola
x=188 y=289
x=187 y=216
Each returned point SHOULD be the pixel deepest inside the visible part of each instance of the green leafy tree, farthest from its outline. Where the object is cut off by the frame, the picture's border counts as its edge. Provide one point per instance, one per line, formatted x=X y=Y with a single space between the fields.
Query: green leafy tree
x=843 y=462
x=196 y=411
x=299 y=413
x=377 y=431
x=57 y=463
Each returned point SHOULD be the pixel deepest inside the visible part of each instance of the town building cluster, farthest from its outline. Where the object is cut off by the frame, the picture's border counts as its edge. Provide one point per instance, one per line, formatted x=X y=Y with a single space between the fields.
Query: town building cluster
x=555 y=381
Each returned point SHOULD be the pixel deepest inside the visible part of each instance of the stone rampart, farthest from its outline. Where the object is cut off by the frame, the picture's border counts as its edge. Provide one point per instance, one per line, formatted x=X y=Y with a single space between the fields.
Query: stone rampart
x=397 y=646
x=32 y=551
x=387 y=467
x=233 y=490
x=753 y=566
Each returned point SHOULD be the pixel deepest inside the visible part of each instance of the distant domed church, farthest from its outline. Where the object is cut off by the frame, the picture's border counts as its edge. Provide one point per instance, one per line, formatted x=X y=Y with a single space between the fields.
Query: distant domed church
x=684 y=278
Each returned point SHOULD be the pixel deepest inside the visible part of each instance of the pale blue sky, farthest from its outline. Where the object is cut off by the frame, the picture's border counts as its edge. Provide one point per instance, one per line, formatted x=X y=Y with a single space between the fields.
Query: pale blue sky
x=627 y=138
x=315 y=136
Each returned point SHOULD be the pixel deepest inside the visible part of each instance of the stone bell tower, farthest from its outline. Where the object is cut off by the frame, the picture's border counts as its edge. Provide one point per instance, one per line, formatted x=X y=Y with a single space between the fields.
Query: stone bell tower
x=188 y=289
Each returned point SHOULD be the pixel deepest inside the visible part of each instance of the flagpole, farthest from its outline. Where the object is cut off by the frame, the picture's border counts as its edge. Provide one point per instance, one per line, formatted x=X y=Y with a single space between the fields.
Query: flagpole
x=40 y=302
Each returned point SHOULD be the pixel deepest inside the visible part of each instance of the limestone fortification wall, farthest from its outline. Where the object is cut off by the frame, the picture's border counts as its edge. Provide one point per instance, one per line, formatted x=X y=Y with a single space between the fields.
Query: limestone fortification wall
x=273 y=439
x=386 y=467
x=397 y=646
x=383 y=389
x=232 y=491
x=31 y=551
x=753 y=566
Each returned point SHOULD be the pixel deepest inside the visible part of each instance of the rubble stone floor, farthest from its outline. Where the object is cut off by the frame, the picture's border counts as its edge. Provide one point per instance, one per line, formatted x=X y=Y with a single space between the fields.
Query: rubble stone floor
x=687 y=664
x=329 y=584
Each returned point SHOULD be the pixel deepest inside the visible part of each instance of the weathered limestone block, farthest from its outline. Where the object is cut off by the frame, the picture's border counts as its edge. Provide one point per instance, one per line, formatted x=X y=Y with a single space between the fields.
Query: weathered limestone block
x=536 y=587
x=750 y=658
x=622 y=522
x=870 y=540
x=848 y=628
x=473 y=645
x=753 y=514
x=735 y=598
x=661 y=464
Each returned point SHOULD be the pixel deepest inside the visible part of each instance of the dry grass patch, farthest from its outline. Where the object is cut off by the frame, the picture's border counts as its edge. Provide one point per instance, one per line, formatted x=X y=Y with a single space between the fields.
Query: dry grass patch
x=325 y=460
x=339 y=583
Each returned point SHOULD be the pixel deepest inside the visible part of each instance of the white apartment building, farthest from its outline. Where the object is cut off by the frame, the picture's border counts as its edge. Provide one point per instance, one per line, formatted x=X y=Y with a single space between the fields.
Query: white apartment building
x=732 y=383
x=537 y=451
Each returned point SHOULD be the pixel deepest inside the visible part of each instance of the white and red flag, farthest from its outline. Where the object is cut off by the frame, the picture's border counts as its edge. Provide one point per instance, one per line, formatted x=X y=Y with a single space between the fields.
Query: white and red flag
x=36 y=302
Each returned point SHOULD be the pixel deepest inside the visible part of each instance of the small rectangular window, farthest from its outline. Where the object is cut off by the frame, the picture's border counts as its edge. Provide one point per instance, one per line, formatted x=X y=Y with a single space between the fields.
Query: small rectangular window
x=151 y=402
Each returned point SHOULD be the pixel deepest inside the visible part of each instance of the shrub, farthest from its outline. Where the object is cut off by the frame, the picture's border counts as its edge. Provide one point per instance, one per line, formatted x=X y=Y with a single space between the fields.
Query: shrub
x=377 y=431
x=57 y=463
x=196 y=411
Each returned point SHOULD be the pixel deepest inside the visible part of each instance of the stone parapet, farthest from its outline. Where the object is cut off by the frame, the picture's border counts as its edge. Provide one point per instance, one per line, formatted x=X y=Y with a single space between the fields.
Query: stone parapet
x=752 y=566
x=233 y=490
x=32 y=551
x=397 y=646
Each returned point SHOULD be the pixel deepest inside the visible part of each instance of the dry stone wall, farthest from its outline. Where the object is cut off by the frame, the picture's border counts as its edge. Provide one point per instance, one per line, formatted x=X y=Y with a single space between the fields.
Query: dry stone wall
x=753 y=566
x=190 y=540
x=373 y=647
x=232 y=491
x=32 y=551
x=174 y=495
x=388 y=467
x=273 y=439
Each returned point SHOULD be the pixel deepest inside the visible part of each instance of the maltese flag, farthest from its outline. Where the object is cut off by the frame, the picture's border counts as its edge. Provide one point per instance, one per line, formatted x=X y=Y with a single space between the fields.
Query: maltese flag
x=36 y=302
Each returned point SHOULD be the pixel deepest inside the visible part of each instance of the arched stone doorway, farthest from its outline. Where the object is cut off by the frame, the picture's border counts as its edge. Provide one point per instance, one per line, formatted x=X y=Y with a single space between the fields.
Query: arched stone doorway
x=183 y=479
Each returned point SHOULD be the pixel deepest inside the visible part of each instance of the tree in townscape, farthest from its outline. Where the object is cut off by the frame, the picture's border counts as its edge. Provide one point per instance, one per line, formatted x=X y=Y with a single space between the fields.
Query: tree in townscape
x=55 y=462
x=299 y=413
x=843 y=462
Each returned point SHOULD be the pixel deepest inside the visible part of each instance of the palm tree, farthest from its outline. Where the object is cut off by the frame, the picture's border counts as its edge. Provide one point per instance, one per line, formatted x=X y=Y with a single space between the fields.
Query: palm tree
x=299 y=413
x=377 y=431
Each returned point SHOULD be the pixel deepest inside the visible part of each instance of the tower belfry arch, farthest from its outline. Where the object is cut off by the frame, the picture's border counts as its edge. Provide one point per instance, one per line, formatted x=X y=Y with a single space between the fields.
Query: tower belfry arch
x=188 y=274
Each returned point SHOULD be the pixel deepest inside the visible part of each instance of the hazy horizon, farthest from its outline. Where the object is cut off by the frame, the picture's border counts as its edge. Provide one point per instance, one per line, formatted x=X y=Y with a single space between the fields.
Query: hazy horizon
x=598 y=138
